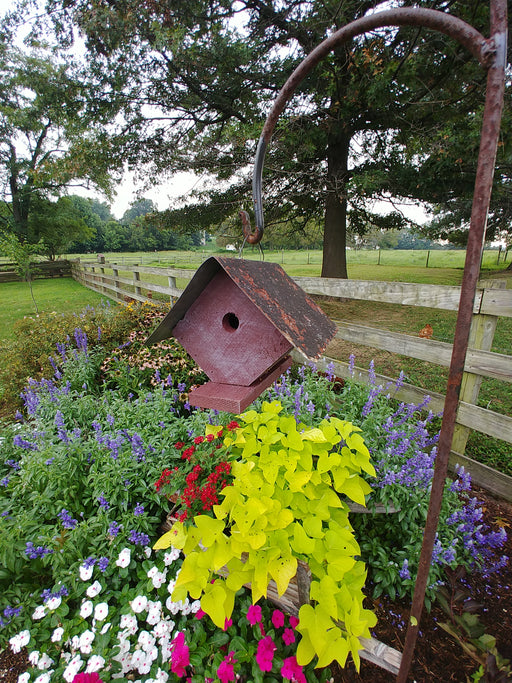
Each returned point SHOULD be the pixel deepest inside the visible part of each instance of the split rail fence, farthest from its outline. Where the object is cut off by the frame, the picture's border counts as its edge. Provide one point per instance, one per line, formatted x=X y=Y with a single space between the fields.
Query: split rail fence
x=123 y=282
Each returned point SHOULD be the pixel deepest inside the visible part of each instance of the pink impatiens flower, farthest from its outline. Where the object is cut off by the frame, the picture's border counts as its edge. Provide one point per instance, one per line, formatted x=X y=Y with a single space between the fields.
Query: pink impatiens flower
x=254 y=615
x=294 y=621
x=87 y=678
x=288 y=636
x=265 y=653
x=180 y=655
x=292 y=670
x=226 y=672
x=277 y=618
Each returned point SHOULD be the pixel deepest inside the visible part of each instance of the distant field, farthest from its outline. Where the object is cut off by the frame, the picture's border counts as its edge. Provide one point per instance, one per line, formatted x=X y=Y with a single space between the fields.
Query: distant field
x=62 y=295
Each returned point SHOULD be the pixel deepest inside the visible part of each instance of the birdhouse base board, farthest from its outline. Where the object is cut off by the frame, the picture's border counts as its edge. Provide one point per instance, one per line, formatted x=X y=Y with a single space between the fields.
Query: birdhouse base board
x=233 y=398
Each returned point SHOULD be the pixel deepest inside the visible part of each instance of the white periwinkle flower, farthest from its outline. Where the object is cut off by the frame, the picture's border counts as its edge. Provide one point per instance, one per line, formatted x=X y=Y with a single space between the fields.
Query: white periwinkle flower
x=33 y=657
x=124 y=558
x=151 y=573
x=161 y=676
x=95 y=663
x=85 y=640
x=86 y=609
x=158 y=579
x=147 y=551
x=44 y=678
x=57 y=634
x=101 y=611
x=54 y=602
x=39 y=612
x=44 y=662
x=128 y=621
x=20 y=640
x=105 y=628
x=171 y=555
x=94 y=589
x=139 y=604
x=24 y=678
x=85 y=572
x=72 y=668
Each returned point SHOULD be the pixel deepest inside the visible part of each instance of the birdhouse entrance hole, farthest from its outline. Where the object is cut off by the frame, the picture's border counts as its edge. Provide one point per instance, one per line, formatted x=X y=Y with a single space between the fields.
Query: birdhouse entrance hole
x=230 y=322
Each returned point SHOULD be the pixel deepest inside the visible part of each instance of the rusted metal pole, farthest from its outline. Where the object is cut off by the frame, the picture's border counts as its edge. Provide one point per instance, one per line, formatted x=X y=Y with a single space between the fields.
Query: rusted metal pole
x=483 y=185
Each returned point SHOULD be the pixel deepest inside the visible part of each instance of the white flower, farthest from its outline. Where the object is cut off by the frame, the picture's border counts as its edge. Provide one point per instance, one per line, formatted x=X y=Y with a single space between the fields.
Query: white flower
x=145 y=666
x=19 y=641
x=152 y=653
x=94 y=589
x=170 y=586
x=161 y=676
x=124 y=558
x=39 y=612
x=128 y=621
x=44 y=678
x=101 y=611
x=161 y=629
x=146 y=640
x=139 y=604
x=85 y=640
x=147 y=551
x=57 y=634
x=86 y=649
x=151 y=573
x=33 y=657
x=85 y=572
x=24 y=678
x=54 y=602
x=195 y=606
x=45 y=662
x=86 y=609
x=158 y=579
x=154 y=616
x=171 y=556
x=95 y=663
x=72 y=668
x=105 y=628
x=186 y=609
x=75 y=642
x=138 y=658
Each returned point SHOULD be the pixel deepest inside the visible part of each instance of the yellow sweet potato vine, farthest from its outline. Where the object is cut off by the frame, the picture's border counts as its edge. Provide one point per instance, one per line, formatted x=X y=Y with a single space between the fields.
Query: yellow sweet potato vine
x=287 y=502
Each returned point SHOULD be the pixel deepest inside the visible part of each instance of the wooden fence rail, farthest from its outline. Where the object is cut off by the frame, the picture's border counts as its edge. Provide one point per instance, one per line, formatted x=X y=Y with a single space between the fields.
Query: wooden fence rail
x=123 y=282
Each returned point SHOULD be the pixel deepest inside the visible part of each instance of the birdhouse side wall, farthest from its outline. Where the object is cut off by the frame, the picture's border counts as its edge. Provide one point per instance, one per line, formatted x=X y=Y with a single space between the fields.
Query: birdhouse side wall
x=228 y=336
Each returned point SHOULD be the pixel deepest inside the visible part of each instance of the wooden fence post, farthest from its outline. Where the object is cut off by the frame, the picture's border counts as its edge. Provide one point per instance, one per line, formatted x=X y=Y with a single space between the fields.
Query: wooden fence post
x=136 y=278
x=481 y=336
x=172 y=283
x=115 y=276
x=101 y=259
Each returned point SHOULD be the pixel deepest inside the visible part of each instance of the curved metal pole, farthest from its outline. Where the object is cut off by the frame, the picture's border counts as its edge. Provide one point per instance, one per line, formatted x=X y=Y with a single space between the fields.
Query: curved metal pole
x=454 y=27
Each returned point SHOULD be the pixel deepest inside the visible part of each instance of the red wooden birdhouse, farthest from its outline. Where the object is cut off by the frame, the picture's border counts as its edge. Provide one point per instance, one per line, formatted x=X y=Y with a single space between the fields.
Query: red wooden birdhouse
x=239 y=320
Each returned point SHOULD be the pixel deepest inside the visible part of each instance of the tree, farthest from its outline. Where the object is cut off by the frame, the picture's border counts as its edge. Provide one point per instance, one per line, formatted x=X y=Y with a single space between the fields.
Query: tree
x=51 y=133
x=57 y=225
x=362 y=127
x=22 y=255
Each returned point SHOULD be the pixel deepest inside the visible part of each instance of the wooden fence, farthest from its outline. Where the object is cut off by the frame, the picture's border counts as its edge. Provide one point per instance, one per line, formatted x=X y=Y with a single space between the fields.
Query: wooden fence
x=491 y=302
x=40 y=269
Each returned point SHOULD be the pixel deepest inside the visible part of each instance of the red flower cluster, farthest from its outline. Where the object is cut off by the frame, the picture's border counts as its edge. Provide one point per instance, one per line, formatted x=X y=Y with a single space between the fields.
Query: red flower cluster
x=203 y=472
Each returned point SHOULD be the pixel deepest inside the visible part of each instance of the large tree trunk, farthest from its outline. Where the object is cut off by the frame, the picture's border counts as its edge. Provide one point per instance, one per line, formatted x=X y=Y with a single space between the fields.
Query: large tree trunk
x=334 y=263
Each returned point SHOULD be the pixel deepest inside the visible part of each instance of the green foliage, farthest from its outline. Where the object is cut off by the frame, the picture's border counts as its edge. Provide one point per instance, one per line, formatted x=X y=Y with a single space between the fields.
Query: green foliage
x=22 y=254
x=286 y=502
x=28 y=355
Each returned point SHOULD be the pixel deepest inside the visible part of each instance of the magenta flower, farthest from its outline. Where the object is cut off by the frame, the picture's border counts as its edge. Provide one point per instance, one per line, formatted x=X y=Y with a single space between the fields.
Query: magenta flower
x=180 y=655
x=226 y=672
x=254 y=614
x=277 y=618
x=292 y=670
x=200 y=614
x=265 y=653
x=227 y=624
x=87 y=678
x=294 y=621
x=288 y=636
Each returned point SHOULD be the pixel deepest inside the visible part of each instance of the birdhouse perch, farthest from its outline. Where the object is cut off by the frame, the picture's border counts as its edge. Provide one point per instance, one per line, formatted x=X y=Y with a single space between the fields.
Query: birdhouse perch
x=239 y=320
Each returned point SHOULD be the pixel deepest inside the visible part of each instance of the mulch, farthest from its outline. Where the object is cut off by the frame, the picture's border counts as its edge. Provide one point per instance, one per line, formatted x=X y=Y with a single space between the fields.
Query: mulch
x=438 y=657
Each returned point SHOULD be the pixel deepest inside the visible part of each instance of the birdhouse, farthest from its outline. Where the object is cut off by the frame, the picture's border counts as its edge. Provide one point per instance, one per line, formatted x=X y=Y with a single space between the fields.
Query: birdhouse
x=239 y=320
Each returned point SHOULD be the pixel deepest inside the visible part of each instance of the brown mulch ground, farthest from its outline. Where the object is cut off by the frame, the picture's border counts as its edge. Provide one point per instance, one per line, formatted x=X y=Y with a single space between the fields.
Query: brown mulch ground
x=438 y=657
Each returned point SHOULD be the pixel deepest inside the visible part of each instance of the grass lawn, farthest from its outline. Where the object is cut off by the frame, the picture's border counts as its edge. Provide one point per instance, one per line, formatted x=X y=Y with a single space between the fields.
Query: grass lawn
x=62 y=295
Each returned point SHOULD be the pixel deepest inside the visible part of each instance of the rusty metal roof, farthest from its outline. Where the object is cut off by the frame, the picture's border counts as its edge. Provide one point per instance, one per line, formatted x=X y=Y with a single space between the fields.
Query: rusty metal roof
x=272 y=291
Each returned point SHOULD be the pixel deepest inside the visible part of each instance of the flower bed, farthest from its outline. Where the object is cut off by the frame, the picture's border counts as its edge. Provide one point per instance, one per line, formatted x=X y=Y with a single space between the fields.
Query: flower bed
x=77 y=495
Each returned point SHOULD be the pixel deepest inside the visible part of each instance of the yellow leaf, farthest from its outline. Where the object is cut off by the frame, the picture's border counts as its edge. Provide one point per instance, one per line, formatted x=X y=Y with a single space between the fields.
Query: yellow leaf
x=282 y=570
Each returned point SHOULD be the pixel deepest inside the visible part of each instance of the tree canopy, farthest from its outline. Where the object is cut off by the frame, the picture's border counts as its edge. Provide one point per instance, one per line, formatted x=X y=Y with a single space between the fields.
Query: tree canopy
x=387 y=115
